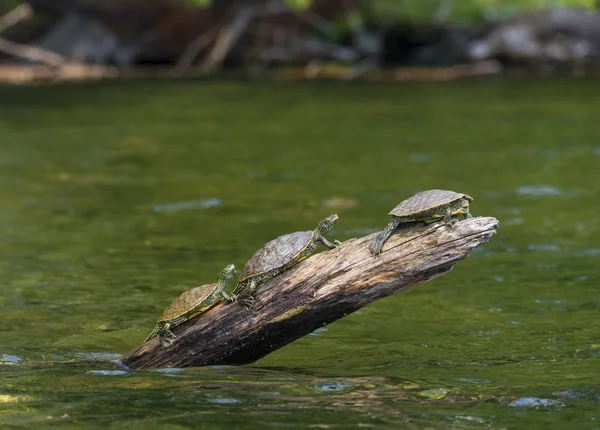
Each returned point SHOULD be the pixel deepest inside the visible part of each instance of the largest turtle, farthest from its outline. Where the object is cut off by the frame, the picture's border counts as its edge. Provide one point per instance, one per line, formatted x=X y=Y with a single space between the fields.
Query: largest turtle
x=190 y=304
x=428 y=206
x=278 y=255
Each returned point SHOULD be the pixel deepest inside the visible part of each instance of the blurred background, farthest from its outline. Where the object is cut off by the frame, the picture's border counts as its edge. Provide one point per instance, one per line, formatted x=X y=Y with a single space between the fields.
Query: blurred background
x=144 y=145
x=334 y=39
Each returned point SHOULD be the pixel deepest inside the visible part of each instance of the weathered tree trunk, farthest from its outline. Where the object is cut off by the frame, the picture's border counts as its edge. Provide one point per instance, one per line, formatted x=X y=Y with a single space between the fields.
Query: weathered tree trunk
x=319 y=290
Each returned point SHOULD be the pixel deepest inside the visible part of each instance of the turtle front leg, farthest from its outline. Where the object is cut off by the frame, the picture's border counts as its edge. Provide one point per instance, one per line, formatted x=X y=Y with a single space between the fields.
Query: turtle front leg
x=468 y=214
x=448 y=217
x=328 y=244
x=230 y=298
x=377 y=243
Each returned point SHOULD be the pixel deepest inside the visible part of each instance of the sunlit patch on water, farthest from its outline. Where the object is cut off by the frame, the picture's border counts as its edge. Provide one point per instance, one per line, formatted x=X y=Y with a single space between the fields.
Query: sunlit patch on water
x=7 y=398
x=544 y=248
x=535 y=402
x=9 y=359
x=332 y=386
x=473 y=380
x=543 y=190
x=188 y=205
x=225 y=400
x=593 y=252
x=550 y=302
x=318 y=331
x=171 y=372
x=108 y=373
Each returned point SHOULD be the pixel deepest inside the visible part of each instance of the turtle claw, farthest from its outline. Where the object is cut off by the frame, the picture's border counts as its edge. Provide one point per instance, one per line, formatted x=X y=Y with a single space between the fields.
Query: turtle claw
x=246 y=302
x=167 y=340
x=337 y=242
x=452 y=221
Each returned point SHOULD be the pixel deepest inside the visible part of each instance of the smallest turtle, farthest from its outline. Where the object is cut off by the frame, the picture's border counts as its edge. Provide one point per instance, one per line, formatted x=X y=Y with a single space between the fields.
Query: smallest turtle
x=190 y=304
x=428 y=206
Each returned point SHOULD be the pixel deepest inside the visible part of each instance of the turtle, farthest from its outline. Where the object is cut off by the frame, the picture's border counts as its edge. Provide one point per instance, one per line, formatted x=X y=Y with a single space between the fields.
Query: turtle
x=428 y=206
x=278 y=255
x=190 y=304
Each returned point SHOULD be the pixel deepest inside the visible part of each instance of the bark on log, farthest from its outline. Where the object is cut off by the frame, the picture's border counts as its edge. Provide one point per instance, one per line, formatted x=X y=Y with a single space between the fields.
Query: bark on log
x=316 y=292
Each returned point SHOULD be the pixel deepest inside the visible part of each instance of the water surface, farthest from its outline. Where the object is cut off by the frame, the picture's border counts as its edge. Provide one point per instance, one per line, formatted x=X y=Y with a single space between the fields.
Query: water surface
x=116 y=197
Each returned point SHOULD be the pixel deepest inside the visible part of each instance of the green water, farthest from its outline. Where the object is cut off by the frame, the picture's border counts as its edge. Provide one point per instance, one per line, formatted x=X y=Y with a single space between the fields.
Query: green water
x=116 y=197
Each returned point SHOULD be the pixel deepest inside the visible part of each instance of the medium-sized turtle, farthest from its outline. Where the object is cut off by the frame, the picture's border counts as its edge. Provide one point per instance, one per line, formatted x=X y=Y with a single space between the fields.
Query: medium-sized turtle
x=278 y=255
x=190 y=304
x=428 y=206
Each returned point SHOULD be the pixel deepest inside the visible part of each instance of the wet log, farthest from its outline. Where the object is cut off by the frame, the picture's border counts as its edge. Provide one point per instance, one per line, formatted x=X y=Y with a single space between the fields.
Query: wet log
x=316 y=292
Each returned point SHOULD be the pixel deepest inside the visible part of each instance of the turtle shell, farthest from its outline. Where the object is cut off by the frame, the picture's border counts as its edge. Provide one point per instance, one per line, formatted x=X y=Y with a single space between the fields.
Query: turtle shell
x=426 y=200
x=186 y=301
x=276 y=253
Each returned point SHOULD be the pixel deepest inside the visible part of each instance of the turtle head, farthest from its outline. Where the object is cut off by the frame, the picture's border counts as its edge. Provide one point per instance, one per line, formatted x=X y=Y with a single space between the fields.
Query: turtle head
x=227 y=274
x=327 y=224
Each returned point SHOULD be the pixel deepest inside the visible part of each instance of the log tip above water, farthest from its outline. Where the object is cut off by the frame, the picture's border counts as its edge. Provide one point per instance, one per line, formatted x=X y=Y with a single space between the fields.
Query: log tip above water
x=317 y=291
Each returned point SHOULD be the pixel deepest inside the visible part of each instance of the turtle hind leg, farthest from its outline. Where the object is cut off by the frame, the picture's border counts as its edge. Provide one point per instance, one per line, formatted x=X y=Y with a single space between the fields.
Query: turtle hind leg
x=377 y=243
x=245 y=298
x=155 y=331
x=166 y=337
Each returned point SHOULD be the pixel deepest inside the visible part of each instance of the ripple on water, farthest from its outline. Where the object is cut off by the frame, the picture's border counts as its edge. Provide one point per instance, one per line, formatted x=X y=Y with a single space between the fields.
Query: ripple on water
x=108 y=373
x=224 y=400
x=98 y=355
x=332 y=386
x=592 y=252
x=9 y=359
x=188 y=205
x=542 y=190
x=544 y=248
x=473 y=380
x=535 y=402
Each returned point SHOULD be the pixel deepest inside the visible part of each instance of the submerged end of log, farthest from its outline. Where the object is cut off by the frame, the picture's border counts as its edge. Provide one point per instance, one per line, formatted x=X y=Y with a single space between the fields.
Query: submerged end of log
x=316 y=292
